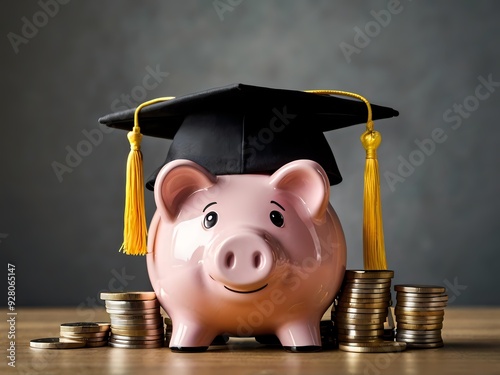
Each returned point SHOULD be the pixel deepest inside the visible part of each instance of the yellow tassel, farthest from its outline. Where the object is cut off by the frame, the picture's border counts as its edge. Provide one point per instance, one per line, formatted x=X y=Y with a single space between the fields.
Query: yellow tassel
x=373 y=231
x=134 y=221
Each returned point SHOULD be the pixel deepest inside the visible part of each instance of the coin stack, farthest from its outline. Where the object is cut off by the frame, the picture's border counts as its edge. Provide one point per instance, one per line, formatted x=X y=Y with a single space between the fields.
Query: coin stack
x=361 y=310
x=419 y=315
x=136 y=322
x=92 y=334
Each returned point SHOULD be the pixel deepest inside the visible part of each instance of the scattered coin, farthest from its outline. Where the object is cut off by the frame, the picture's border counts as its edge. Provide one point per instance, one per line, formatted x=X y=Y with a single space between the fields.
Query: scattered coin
x=55 y=343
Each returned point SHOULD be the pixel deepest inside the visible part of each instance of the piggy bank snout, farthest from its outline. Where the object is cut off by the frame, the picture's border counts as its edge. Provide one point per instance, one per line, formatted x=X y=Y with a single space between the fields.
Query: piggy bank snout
x=242 y=261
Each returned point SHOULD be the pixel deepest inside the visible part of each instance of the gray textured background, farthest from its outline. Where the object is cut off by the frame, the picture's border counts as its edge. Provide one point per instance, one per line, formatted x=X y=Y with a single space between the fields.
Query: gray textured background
x=441 y=222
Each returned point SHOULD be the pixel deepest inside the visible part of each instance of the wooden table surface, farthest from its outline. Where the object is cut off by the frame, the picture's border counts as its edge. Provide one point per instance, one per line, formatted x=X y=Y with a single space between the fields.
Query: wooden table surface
x=471 y=336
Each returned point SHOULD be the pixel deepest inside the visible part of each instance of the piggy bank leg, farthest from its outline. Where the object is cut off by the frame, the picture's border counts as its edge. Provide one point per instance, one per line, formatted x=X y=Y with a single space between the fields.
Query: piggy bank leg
x=300 y=336
x=190 y=337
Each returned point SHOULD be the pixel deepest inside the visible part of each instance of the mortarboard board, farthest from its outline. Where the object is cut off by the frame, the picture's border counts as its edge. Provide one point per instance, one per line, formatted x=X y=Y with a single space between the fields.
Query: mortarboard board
x=243 y=129
x=240 y=129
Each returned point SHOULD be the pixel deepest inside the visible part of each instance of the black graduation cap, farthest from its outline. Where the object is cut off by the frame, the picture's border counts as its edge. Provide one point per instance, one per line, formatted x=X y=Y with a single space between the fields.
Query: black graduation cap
x=243 y=129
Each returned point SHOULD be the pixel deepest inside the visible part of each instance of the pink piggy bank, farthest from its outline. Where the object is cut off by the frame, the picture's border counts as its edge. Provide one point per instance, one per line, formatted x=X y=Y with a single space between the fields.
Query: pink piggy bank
x=245 y=255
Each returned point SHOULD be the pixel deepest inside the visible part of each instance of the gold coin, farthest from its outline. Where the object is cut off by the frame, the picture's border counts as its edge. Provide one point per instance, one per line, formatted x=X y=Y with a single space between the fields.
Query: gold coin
x=81 y=327
x=412 y=298
x=133 y=305
x=421 y=304
x=404 y=309
x=373 y=347
x=367 y=320
x=350 y=295
x=84 y=335
x=55 y=343
x=419 y=319
x=84 y=339
x=349 y=315
x=420 y=327
x=368 y=274
x=128 y=296
x=398 y=311
x=125 y=322
x=346 y=338
x=361 y=310
x=364 y=300
x=360 y=327
x=356 y=333
x=348 y=285
x=411 y=288
x=367 y=281
x=367 y=290
x=383 y=305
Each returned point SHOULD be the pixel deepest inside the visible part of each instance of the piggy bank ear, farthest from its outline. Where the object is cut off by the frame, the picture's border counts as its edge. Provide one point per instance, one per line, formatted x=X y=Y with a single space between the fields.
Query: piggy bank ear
x=175 y=182
x=308 y=180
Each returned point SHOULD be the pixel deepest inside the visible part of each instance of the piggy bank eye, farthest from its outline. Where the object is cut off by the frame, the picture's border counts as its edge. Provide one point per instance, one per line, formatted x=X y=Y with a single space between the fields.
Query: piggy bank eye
x=277 y=218
x=210 y=219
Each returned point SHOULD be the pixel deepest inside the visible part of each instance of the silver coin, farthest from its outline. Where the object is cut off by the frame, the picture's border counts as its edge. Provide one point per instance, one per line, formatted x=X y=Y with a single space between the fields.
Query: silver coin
x=346 y=338
x=137 y=327
x=373 y=347
x=81 y=327
x=154 y=311
x=418 y=334
x=137 y=332
x=413 y=288
x=133 y=338
x=140 y=317
x=141 y=346
x=133 y=305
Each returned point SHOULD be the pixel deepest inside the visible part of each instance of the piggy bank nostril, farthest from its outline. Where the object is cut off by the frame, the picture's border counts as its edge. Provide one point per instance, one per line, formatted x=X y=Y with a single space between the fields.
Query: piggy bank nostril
x=258 y=259
x=230 y=260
